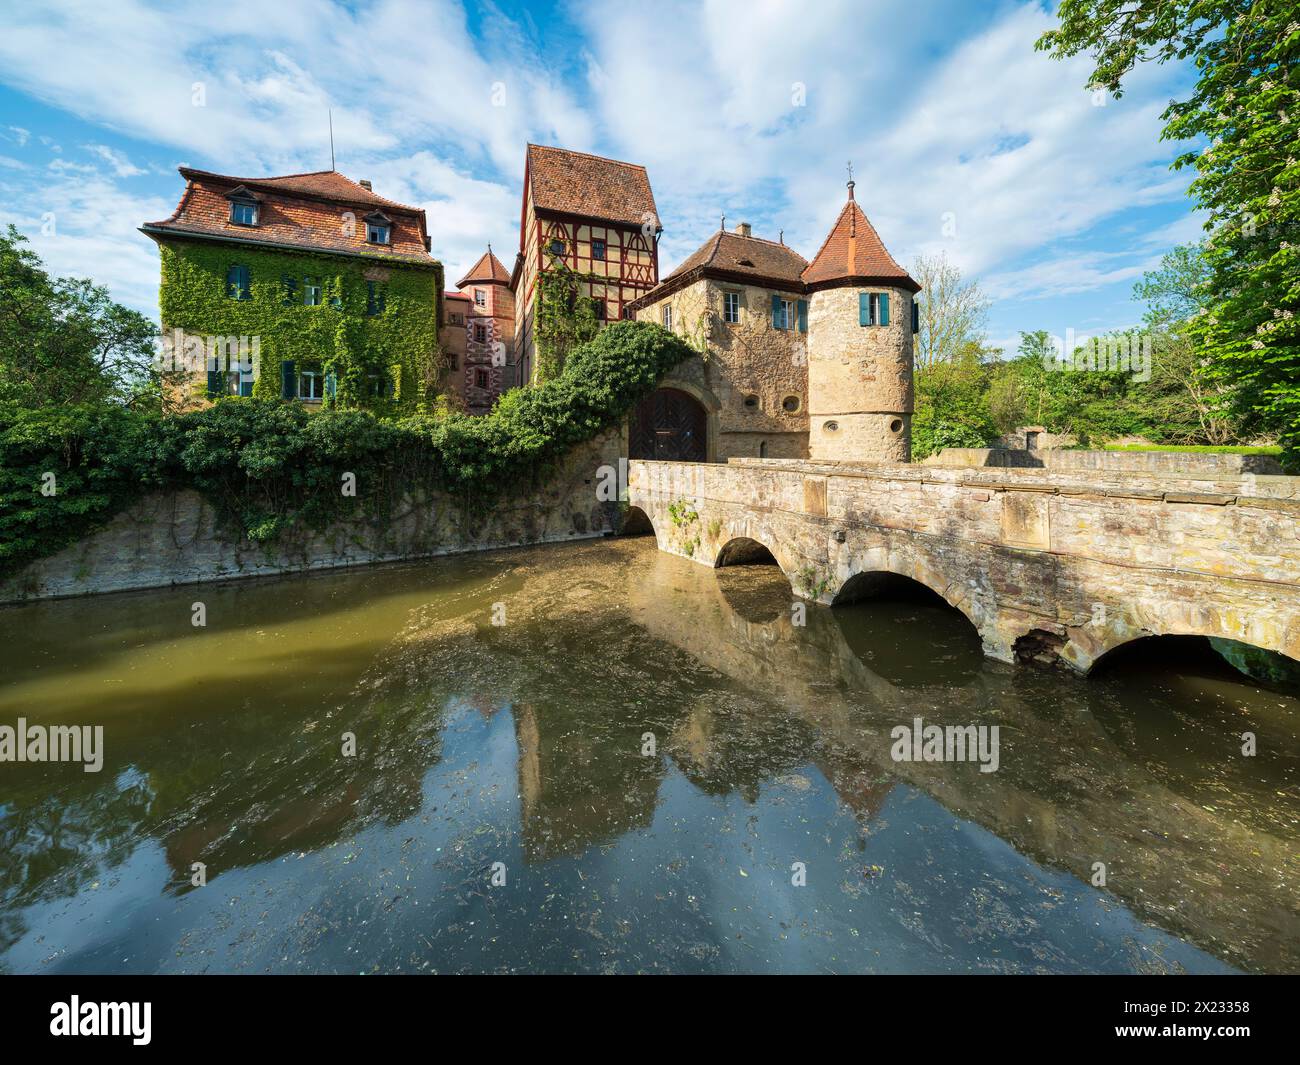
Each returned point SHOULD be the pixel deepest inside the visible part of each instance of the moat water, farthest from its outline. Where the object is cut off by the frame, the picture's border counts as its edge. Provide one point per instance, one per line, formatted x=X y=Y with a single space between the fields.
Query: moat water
x=768 y=830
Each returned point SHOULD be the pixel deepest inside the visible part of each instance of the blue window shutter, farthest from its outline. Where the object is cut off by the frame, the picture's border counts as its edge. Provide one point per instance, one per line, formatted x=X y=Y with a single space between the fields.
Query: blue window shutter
x=245 y=386
x=232 y=283
x=776 y=313
x=216 y=383
x=331 y=384
x=864 y=308
x=884 y=308
x=803 y=316
x=288 y=379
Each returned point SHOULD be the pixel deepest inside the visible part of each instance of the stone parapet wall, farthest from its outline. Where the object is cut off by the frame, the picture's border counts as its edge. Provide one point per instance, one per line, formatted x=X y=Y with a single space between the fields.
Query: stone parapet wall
x=1163 y=462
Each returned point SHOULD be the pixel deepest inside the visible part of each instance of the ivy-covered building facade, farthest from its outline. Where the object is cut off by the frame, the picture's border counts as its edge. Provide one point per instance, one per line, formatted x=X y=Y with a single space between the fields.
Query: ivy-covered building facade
x=308 y=287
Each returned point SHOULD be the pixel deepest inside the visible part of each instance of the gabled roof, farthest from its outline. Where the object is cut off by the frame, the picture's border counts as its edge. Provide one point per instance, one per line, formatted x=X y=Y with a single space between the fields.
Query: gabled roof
x=576 y=183
x=853 y=253
x=296 y=212
x=321 y=184
x=735 y=254
x=730 y=256
x=488 y=268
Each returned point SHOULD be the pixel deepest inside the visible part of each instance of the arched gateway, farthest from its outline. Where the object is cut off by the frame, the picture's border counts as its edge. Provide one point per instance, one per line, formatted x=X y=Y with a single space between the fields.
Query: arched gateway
x=669 y=425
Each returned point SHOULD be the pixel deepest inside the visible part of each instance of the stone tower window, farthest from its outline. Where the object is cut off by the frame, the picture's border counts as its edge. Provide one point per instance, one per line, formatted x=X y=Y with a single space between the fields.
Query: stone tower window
x=791 y=404
x=831 y=427
x=896 y=426
x=751 y=402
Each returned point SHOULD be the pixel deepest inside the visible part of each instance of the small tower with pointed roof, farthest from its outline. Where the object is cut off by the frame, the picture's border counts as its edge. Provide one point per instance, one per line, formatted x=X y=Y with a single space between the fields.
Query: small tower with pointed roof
x=487 y=368
x=859 y=345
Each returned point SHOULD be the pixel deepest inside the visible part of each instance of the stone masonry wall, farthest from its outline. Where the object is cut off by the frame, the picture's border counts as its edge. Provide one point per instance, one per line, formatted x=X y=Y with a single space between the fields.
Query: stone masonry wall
x=176 y=539
x=859 y=378
x=746 y=359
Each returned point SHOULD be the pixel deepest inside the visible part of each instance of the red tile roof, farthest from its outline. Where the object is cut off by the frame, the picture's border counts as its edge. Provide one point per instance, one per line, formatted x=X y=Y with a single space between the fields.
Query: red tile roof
x=456 y=296
x=589 y=185
x=736 y=254
x=733 y=257
x=322 y=211
x=852 y=253
x=488 y=268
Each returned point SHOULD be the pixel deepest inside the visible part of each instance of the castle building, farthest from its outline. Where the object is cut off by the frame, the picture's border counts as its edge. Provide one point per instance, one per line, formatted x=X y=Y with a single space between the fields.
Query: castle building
x=308 y=287
x=478 y=336
x=798 y=359
x=593 y=215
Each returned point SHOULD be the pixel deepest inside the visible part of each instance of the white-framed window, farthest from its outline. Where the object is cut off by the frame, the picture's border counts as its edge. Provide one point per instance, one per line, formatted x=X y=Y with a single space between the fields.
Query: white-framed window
x=311 y=384
x=243 y=213
x=377 y=233
x=731 y=307
x=668 y=315
x=480 y=332
x=311 y=291
x=786 y=317
x=480 y=297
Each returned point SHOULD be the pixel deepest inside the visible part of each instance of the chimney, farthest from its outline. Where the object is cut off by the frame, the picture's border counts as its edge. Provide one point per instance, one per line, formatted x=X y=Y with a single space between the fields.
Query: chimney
x=743 y=229
x=365 y=184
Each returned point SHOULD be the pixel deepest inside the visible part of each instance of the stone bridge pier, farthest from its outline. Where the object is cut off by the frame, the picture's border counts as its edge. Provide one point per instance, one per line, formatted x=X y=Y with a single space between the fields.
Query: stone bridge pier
x=1045 y=564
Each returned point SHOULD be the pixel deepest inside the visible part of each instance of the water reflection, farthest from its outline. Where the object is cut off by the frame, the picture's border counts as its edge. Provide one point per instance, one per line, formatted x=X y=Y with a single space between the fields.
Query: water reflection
x=527 y=744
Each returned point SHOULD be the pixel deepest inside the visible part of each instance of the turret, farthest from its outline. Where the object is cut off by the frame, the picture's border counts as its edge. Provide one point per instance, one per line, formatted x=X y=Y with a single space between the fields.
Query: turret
x=860 y=324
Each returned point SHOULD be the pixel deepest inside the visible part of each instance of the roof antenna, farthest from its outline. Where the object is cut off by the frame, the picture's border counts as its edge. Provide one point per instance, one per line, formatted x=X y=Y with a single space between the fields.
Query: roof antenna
x=851 y=182
x=331 y=114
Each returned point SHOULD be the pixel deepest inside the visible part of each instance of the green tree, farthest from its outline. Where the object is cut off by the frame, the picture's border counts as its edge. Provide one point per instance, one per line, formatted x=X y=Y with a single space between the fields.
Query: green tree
x=64 y=341
x=952 y=313
x=952 y=407
x=1188 y=402
x=1242 y=117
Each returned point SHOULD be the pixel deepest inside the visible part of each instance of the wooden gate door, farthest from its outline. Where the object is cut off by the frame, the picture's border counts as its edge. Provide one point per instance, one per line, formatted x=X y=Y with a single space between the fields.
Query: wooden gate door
x=669 y=425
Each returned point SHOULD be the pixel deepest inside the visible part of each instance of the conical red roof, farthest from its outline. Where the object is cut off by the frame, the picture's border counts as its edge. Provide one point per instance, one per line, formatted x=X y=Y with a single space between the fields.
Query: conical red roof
x=854 y=253
x=488 y=268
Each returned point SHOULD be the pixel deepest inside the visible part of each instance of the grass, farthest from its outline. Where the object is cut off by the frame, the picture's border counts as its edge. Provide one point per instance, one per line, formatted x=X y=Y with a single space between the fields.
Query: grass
x=1204 y=449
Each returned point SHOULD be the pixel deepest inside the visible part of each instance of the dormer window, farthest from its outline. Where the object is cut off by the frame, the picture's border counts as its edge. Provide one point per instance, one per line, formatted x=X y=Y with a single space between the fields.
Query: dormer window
x=243 y=207
x=379 y=228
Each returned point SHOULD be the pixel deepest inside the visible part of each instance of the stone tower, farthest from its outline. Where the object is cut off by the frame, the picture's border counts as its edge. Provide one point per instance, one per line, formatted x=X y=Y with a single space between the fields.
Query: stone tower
x=860 y=326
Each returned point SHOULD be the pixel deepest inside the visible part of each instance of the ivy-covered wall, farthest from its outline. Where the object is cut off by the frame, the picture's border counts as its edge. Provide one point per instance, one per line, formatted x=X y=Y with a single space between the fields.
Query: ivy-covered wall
x=352 y=348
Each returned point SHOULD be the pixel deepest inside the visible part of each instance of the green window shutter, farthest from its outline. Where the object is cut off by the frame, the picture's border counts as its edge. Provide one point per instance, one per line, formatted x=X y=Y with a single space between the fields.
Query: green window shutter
x=232 y=283
x=776 y=313
x=884 y=308
x=864 y=308
x=216 y=383
x=331 y=384
x=803 y=316
x=288 y=379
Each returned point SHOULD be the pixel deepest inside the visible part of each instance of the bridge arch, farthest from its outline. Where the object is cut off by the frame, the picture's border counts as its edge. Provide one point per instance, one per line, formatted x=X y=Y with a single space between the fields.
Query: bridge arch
x=865 y=583
x=1085 y=646
x=744 y=551
x=636 y=522
x=1261 y=664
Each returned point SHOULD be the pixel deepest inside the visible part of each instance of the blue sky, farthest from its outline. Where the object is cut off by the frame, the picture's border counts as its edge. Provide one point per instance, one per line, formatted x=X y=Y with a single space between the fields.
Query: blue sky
x=964 y=140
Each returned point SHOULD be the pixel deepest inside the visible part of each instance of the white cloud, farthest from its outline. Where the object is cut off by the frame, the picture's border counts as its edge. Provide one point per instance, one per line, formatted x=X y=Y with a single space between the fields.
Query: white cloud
x=735 y=106
x=122 y=166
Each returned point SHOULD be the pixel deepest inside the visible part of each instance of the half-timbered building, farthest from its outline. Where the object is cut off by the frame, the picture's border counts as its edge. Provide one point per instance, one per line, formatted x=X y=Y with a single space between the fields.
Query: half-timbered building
x=597 y=217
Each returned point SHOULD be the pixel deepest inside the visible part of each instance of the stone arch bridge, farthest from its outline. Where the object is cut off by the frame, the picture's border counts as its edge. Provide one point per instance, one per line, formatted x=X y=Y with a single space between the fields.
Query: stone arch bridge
x=1045 y=564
